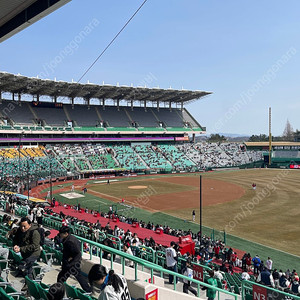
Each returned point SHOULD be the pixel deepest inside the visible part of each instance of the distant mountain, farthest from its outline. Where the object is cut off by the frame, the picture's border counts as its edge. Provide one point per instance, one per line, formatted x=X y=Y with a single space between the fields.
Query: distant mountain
x=234 y=135
x=231 y=137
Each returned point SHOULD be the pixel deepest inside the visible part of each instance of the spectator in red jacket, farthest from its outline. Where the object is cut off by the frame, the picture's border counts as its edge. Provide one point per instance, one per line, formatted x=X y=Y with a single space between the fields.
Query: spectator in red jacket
x=248 y=262
x=217 y=251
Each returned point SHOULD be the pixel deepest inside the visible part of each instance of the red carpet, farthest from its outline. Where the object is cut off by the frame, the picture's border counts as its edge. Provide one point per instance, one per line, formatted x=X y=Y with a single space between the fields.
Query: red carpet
x=163 y=239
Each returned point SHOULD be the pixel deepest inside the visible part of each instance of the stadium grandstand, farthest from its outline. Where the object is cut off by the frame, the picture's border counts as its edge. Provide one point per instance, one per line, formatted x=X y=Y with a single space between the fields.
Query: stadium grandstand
x=56 y=131
x=71 y=129
x=53 y=133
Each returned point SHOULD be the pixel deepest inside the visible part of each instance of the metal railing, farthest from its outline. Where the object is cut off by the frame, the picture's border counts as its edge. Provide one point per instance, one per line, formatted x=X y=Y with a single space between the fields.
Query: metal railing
x=264 y=292
x=145 y=264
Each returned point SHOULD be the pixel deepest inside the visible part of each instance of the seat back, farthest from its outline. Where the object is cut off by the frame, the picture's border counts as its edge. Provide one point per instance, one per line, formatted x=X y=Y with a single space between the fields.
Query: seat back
x=32 y=288
x=71 y=291
x=44 y=293
x=4 y=296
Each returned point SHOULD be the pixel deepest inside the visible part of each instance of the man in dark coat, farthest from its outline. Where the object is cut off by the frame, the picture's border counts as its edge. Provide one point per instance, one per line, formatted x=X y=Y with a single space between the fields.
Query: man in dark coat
x=71 y=260
x=27 y=243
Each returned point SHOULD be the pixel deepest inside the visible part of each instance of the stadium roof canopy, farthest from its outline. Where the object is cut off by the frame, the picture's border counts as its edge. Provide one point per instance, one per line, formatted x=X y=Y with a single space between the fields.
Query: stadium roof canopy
x=15 y=15
x=17 y=84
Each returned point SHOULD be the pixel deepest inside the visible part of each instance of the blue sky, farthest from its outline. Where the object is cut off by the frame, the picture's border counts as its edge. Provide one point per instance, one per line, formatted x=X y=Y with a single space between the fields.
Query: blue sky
x=231 y=48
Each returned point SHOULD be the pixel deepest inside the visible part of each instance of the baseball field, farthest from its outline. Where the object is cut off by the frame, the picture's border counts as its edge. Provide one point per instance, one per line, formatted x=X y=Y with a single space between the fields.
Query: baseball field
x=252 y=219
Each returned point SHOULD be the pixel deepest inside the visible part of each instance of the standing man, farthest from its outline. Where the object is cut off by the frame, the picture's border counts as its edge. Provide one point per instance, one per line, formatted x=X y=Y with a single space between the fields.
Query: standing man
x=211 y=293
x=27 y=243
x=269 y=264
x=71 y=259
x=194 y=215
x=171 y=261
x=72 y=188
x=187 y=271
x=256 y=263
x=39 y=215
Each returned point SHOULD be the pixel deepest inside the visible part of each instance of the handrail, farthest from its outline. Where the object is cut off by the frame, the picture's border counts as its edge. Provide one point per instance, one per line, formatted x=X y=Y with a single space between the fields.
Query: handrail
x=153 y=267
x=275 y=291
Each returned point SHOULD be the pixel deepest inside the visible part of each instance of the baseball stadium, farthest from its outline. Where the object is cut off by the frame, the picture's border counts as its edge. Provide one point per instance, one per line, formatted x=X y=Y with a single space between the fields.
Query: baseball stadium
x=128 y=158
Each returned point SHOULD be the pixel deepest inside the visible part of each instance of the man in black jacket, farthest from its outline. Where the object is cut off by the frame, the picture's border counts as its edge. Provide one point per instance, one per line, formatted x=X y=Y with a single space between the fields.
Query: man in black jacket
x=27 y=243
x=71 y=259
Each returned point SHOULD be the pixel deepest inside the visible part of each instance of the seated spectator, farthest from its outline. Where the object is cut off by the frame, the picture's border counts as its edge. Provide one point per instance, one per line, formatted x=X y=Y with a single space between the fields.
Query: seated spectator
x=245 y=275
x=283 y=282
x=275 y=275
x=218 y=274
x=127 y=249
x=223 y=268
x=106 y=254
x=47 y=241
x=295 y=287
x=266 y=278
x=134 y=248
x=112 y=286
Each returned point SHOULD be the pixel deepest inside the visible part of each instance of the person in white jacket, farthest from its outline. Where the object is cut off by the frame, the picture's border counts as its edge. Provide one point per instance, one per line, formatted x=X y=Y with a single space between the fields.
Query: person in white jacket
x=113 y=286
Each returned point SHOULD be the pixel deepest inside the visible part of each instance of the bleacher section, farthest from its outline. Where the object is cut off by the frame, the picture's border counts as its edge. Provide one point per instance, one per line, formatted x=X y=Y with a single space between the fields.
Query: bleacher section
x=89 y=157
x=82 y=115
x=51 y=117
x=153 y=157
x=128 y=158
x=19 y=114
x=38 y=167
x=28 y=117
x=214 y=155
x=113 y=117
x=177 y=158
x=141 y=117
x=170 y=118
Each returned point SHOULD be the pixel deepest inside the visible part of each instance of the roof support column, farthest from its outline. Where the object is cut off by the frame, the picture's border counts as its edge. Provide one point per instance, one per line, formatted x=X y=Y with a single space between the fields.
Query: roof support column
x=145 y=103
x=103 y=104
x=118 y=104
x=72 y=101
x=157 y=105
x=181 y=105
x=19 y=98
x=13 y=96
x=132 y=105
x=88 y=102
x=170 y=105
x=55 y=98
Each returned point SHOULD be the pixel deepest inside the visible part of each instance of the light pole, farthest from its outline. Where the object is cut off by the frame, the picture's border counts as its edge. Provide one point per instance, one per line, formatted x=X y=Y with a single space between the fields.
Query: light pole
x=28 y=181
x=200 y=189
x=50 y=154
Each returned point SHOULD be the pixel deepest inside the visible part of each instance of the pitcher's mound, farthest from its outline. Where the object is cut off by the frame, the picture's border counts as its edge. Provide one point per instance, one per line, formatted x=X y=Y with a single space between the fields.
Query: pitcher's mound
x=137 y=187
